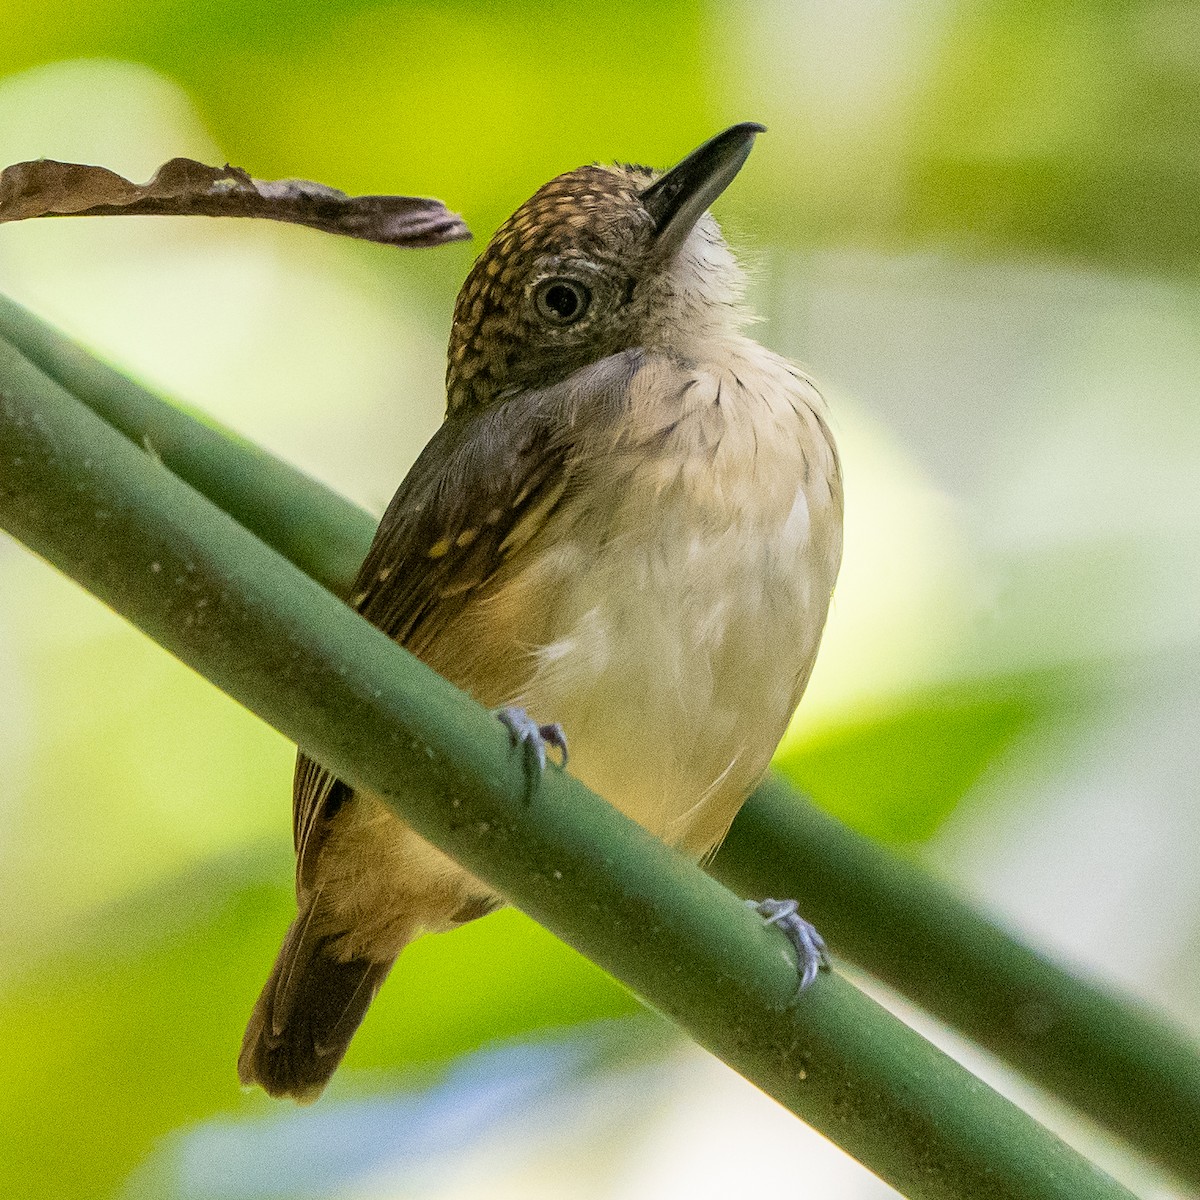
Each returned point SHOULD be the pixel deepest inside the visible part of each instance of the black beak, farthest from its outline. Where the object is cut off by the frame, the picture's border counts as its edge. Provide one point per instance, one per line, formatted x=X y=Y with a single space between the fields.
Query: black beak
x=676 y=200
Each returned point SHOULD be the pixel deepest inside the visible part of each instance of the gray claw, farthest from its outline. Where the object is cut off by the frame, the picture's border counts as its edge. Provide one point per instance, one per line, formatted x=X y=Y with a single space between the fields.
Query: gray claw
x=811 y=955
x=525 y=731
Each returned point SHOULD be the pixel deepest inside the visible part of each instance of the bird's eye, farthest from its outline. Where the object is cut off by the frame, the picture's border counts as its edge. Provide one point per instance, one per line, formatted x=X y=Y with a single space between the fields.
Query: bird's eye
x=562 y=301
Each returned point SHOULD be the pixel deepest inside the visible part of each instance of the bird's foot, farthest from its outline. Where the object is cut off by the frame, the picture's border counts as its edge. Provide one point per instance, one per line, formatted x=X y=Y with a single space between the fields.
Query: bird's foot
x=811 y=955
x=525 y=731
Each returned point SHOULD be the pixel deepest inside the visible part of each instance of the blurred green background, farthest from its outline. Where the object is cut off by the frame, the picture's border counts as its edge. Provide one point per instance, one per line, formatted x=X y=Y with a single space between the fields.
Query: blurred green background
x=975 y=223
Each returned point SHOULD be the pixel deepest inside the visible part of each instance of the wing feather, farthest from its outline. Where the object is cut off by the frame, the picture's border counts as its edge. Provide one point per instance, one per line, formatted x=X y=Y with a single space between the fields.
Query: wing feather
x=483 y=485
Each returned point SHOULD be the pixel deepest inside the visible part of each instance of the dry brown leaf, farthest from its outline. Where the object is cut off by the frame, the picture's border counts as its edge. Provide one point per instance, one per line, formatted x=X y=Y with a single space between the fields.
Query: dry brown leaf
x=184 y=187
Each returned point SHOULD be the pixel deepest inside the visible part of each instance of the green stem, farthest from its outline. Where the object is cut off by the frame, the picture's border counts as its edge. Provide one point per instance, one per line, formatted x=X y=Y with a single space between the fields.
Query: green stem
x=1116 y=1061
x=324 y=534
x=116 y=520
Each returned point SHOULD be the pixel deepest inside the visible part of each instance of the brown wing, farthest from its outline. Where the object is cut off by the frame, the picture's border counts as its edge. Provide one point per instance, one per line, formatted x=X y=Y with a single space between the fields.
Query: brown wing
x=455 y=519
x=479 y=490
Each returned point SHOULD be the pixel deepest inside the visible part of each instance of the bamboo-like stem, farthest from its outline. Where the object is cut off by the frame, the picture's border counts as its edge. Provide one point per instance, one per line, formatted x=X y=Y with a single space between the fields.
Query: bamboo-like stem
x=115 y=519
x=323 y=533
x=1115 y=1060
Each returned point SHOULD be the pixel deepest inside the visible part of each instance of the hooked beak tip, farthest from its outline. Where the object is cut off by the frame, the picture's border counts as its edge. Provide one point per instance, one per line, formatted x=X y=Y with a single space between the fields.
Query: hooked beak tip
x=677 y=199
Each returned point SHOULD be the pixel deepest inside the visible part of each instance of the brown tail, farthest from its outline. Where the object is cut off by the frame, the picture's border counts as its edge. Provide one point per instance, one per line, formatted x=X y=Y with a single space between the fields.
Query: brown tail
x=306 y=1015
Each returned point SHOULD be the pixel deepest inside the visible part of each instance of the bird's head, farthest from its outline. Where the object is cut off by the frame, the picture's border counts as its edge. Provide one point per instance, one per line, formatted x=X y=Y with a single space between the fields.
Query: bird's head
x=598 y=260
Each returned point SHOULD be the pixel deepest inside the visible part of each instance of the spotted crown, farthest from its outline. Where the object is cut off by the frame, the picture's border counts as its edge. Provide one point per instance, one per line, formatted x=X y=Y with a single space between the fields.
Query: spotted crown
x=593 y=214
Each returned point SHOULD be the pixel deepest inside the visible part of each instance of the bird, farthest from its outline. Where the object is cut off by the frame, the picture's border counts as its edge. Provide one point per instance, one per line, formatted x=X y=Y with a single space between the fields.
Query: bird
x=624 y=537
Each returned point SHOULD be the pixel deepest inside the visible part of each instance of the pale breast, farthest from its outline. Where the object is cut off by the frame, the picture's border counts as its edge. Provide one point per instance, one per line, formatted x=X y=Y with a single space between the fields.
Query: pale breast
x=692 y=573
x=667 y=613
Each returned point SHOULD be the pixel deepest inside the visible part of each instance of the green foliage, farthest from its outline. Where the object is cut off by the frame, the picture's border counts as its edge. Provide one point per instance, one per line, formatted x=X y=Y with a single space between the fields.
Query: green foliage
x=139 y=916
x=419 y=95
x=1063 y=129
x=897 y=774
x=1044 y=128
x=134 y=1024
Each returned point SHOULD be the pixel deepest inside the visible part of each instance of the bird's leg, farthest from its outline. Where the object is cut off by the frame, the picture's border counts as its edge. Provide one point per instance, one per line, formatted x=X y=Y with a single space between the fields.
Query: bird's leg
x=525 y=731
x=811 y=955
